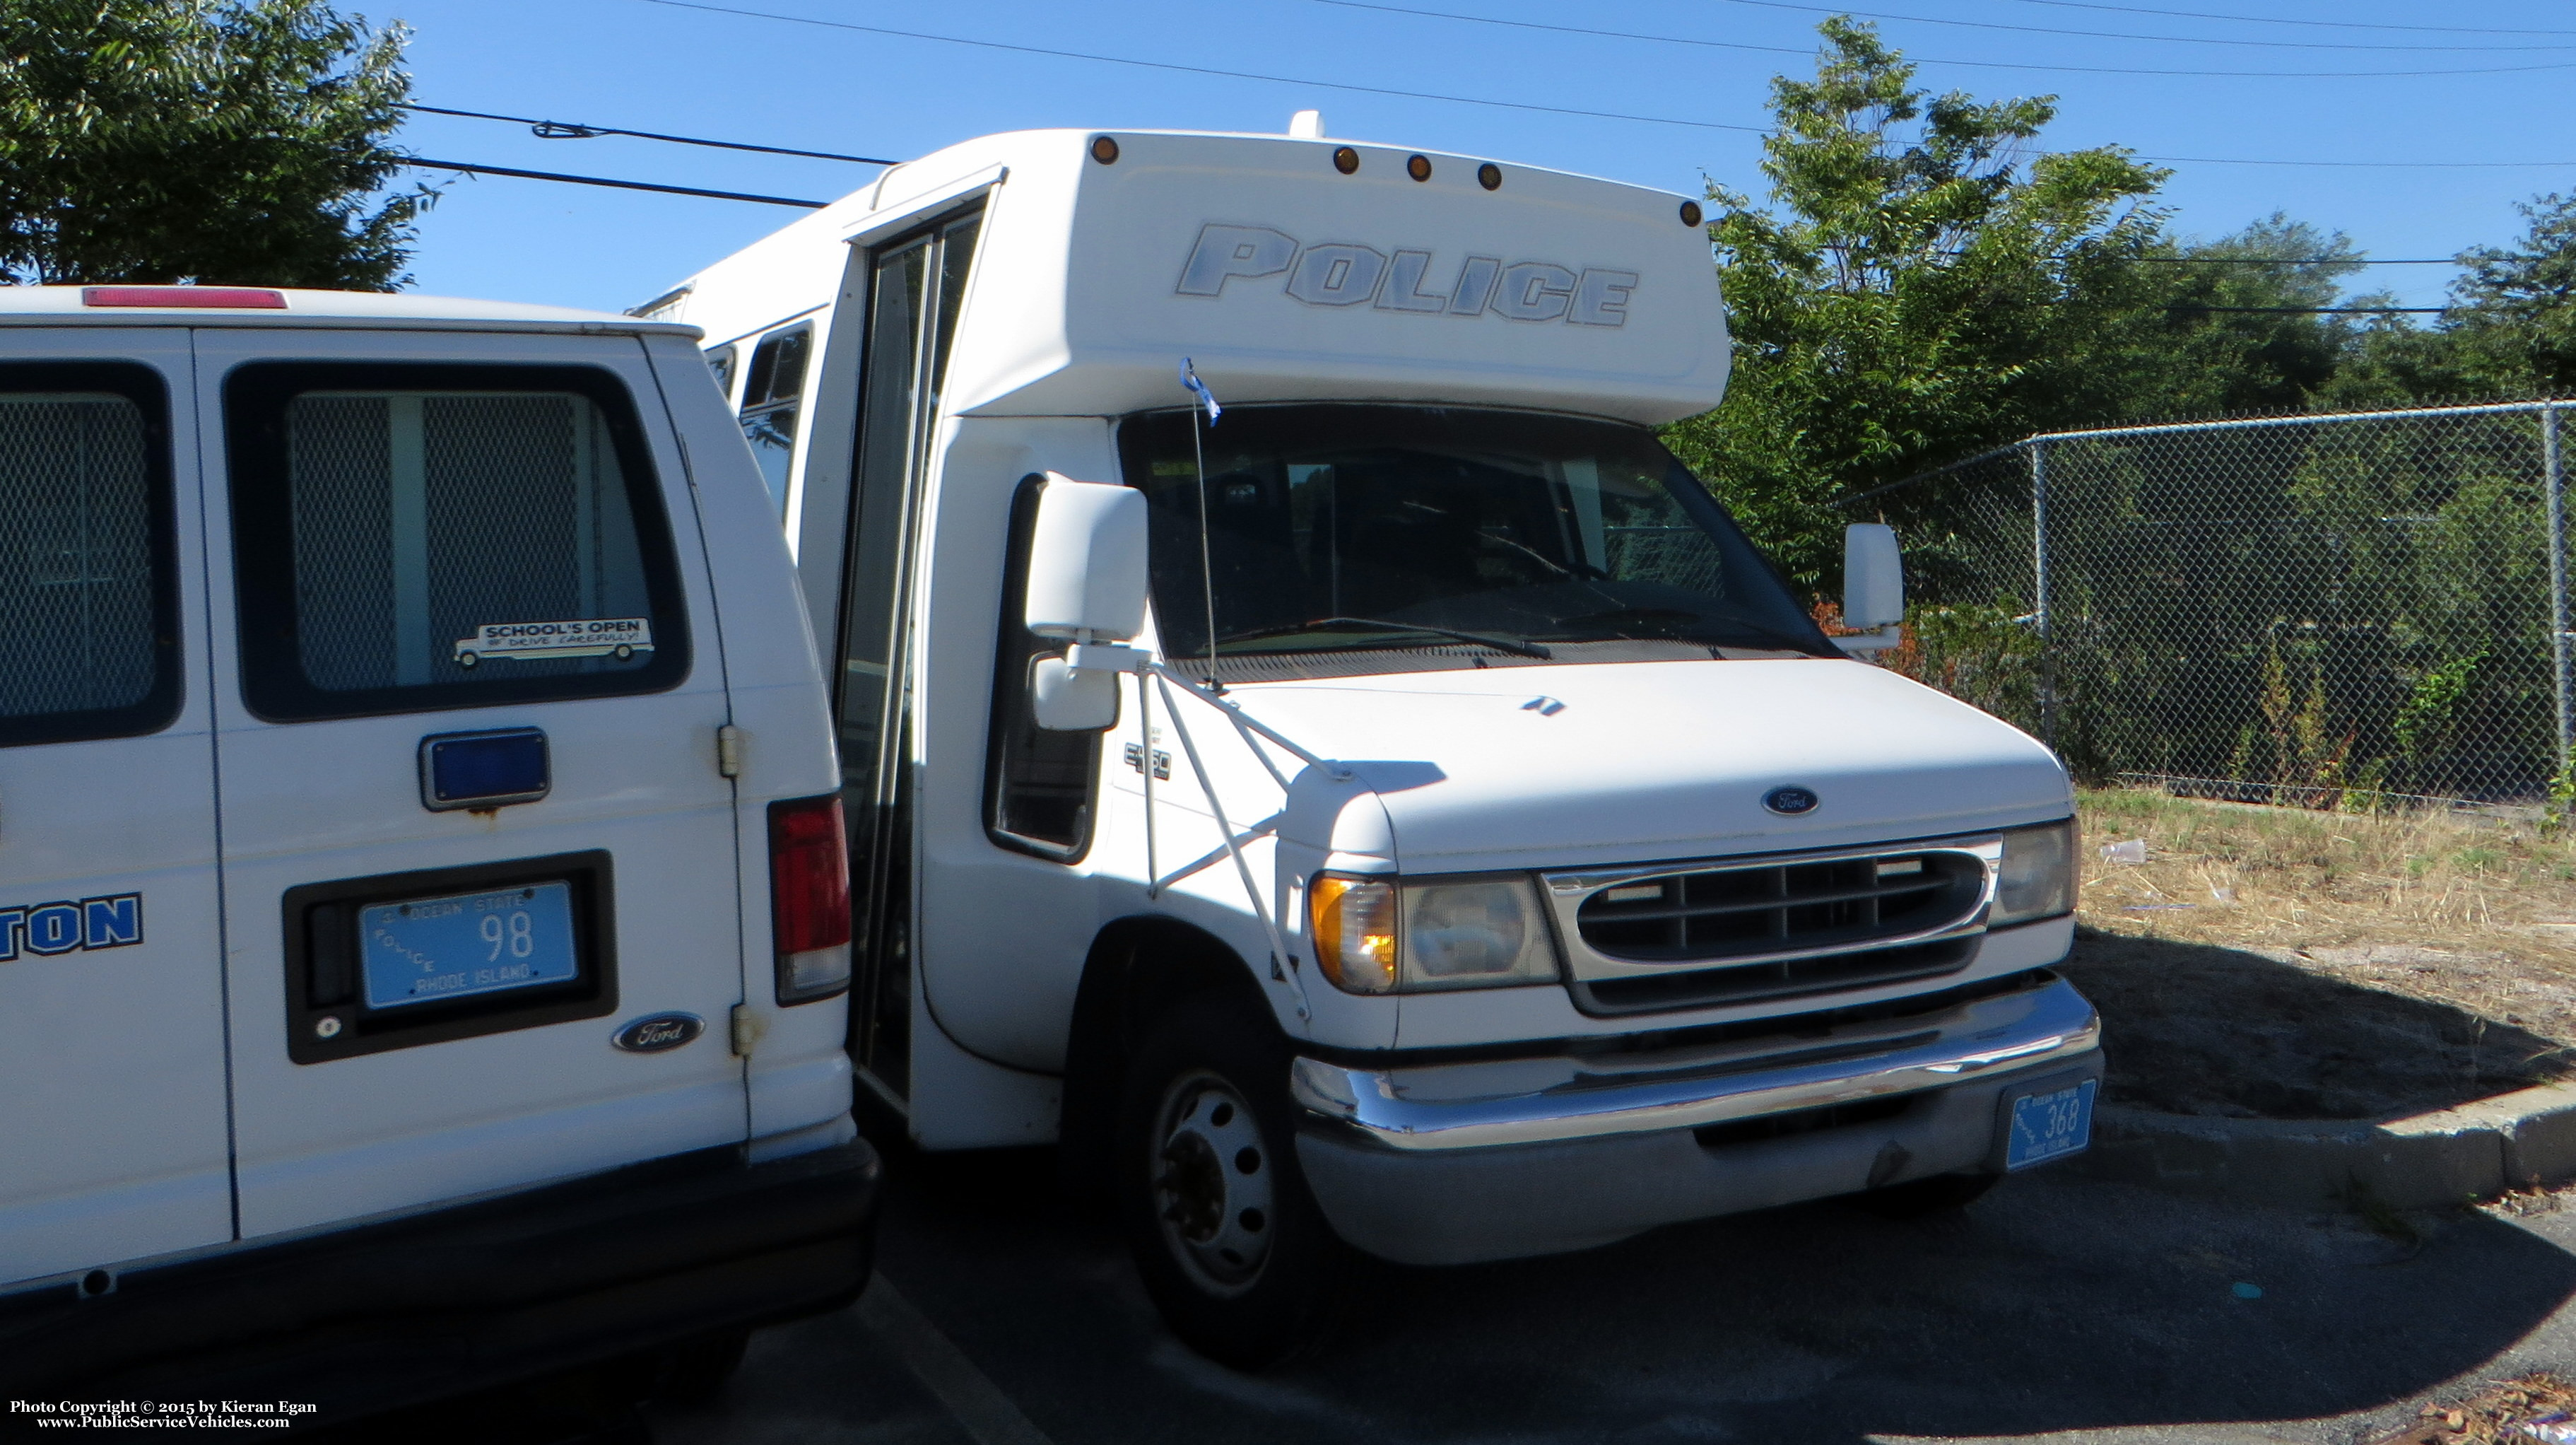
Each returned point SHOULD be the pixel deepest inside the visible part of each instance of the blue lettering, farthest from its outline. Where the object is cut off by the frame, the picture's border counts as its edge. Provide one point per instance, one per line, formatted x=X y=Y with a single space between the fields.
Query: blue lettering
x=13 y=921
x=112 y=922
x=54 y=928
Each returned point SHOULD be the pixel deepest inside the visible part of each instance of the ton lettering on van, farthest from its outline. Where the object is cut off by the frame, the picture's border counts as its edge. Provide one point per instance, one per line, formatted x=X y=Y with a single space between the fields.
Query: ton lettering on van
x=114 y=921
x=1344 y=273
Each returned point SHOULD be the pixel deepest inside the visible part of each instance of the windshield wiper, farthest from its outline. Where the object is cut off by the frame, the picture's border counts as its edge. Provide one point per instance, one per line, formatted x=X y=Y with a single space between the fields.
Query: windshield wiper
x=1669 y=621
x=1499 y=644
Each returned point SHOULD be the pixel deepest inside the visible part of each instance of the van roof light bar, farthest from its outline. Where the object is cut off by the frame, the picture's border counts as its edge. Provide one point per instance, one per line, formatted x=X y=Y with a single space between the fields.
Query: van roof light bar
x=226 y=298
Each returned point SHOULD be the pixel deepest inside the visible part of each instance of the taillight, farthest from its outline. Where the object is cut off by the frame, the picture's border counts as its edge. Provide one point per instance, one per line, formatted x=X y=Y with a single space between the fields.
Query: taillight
x=809 y=898
x=221 y=298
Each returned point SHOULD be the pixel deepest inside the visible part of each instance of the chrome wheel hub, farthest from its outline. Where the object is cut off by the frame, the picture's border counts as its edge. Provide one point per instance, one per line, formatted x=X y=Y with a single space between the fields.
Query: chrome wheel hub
x=1212 y=1191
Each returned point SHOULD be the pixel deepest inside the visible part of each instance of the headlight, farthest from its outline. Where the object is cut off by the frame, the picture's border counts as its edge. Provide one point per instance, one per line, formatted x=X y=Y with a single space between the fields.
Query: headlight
x=2037 y=876
x=1373 y=935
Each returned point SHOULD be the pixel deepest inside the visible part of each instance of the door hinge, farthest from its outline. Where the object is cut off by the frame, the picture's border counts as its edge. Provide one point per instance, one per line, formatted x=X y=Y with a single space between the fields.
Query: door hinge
x=747 y=1029
x=729 y=751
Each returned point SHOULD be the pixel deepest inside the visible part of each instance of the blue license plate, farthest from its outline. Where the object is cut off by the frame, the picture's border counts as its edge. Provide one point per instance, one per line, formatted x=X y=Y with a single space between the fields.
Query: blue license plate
x=422 y=950
x=2050 y=1126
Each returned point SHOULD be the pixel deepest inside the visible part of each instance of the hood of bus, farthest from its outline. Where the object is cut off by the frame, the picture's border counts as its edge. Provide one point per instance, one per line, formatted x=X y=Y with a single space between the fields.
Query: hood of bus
x=1602 y=764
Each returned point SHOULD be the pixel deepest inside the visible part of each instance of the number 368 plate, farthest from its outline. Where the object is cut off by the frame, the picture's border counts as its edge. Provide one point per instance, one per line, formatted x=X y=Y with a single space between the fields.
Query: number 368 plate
x=420 y=950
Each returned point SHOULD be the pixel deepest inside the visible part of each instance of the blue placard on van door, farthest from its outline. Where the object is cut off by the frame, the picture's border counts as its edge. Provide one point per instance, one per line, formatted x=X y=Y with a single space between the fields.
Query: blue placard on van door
x=422 y=950
x=484 y=770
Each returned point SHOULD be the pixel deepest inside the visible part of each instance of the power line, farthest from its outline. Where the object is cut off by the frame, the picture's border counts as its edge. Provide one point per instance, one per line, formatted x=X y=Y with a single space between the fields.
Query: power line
x=2308 y=310
x=481 y=170
x=1514 y=104
x=576 y=130
x=2272 y=20
x=1207 y=70
x=2123 y=35
x=2290 y=261
x=1929 y=60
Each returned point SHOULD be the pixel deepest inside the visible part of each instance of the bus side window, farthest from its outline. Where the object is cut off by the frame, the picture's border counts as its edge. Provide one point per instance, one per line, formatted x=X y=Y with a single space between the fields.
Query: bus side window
x=1038 y=791
x=770 y=393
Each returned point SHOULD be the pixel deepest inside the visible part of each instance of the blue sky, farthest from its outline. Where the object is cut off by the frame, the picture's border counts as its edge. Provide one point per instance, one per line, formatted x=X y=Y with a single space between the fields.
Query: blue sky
x=657 y=66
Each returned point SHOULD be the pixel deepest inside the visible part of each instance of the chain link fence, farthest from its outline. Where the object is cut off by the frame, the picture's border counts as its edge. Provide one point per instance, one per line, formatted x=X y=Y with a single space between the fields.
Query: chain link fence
x=2352 y=611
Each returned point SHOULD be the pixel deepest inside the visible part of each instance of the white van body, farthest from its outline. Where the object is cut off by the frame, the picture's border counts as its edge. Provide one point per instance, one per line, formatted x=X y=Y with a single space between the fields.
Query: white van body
x=325 y=956
x=1006 y=981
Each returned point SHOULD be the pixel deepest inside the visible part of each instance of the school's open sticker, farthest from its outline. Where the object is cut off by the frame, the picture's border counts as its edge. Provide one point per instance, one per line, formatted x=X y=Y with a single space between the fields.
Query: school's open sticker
x=617 y=637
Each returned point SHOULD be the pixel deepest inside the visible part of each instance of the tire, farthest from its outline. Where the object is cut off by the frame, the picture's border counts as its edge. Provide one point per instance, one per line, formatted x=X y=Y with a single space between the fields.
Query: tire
x=694 y=1371
x=1230 y=1243
x=1921 y=1198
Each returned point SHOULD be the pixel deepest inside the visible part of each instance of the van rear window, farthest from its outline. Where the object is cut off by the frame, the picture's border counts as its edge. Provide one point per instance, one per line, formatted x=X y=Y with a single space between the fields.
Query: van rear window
x=86 y=560
x=416 y=537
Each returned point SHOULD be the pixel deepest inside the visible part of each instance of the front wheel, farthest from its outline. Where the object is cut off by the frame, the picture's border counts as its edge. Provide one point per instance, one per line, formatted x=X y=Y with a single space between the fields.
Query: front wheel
x=1230 y=1243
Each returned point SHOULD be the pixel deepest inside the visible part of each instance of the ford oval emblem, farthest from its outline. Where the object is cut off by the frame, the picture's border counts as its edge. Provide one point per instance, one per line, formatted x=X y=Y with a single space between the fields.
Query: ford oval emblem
x=1790 y=802
x=654 y=1033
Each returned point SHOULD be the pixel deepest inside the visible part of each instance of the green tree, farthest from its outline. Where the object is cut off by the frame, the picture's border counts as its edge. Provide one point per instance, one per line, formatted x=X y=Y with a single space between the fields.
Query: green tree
x=1927 y=287
x=2510 y=330
x=238 y=142
x=2226 y=326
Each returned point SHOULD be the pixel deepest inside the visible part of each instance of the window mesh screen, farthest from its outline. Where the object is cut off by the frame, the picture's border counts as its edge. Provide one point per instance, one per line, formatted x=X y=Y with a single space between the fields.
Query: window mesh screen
x=420 y=518
x=75 y=554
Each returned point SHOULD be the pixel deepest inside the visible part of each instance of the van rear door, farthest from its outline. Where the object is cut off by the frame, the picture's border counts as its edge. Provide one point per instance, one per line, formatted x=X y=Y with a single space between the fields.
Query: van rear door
x=478 y=855
x=112 y=1118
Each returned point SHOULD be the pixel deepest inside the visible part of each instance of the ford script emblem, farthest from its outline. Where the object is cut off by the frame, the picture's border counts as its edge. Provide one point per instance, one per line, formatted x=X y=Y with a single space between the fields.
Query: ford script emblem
x=1790 y=801
x=655 y=1032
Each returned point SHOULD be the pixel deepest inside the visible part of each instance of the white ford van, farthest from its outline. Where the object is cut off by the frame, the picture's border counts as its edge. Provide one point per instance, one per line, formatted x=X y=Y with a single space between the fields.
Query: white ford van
x=422 y=928
x=1384 y=803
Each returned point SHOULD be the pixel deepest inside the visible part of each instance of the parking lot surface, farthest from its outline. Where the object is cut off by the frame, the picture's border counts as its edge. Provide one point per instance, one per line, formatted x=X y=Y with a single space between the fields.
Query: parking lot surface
x=2056 y=1309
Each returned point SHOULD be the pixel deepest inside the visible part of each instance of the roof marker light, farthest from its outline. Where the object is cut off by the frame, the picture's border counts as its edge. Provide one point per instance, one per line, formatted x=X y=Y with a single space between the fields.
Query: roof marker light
x=1690 y=213
x=1346 y=160
x=1104 y=150
x=1490 y=176
x=231 y=298
x=1418 y=167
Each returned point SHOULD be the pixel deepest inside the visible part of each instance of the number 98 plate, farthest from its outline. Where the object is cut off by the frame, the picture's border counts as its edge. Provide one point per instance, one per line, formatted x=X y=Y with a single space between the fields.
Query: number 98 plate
x=421 y=950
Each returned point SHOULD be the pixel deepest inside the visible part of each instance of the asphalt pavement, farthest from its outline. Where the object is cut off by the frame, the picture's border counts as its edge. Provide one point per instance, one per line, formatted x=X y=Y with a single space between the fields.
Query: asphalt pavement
x=2058 y=1308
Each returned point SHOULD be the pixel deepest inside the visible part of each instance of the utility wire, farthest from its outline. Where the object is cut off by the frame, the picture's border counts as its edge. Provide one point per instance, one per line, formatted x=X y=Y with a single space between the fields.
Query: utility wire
x=1514 y=104
x=574 y=130
x=481 y=170
x=2272 y=20
x=1205 y=70
x=1929 y=60
x=2124 y=35
x=2290 y=261
x=2121 y=35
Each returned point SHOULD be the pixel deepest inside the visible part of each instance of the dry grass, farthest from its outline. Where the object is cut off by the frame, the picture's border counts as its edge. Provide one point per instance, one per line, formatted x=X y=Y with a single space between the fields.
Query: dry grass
x=2304 y=879
x=2489 y=1417
x=2462 y=909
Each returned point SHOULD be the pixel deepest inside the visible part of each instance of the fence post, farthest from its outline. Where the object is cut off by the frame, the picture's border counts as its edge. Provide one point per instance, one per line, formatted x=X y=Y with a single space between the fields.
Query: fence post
x=2554 y=484
x=2039 y=587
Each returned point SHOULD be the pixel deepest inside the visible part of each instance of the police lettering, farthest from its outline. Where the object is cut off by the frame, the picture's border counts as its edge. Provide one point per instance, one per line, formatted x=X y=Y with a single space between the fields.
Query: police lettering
x=1346 y=273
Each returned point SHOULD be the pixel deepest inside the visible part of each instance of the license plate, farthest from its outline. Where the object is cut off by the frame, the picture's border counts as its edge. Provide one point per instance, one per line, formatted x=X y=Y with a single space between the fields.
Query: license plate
x=422 y=950
x=2050 y=1126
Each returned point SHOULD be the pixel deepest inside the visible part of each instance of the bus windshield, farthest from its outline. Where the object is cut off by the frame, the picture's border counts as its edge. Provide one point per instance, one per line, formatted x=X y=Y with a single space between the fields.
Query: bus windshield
x=1352 y=528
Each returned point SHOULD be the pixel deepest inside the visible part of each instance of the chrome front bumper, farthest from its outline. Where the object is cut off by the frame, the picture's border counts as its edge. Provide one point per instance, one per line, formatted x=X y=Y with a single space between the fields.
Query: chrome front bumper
x=1547 y=1100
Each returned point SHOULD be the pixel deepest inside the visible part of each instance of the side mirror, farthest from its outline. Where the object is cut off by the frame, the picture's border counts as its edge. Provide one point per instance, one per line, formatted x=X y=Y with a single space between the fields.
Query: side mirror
x=1087 y=562
x=1087 y=584
x=1873 y=585
x=1067 y=699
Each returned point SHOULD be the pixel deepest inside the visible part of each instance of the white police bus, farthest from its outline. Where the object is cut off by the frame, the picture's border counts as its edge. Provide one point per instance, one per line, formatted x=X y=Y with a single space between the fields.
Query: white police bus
x=1474 y=849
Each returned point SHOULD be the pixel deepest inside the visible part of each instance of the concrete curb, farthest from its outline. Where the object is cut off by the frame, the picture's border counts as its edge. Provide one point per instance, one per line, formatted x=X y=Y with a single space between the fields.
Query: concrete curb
x=2476 y=1151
